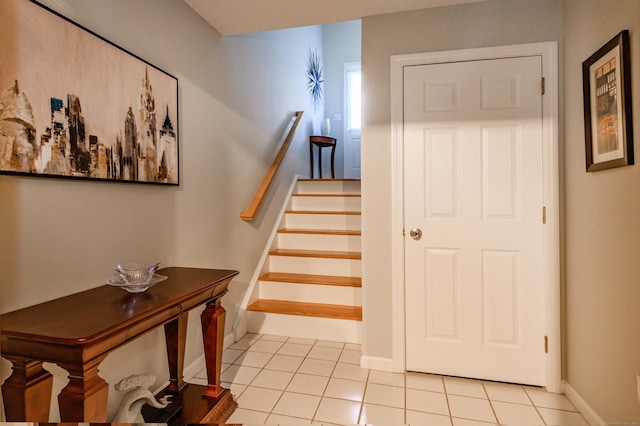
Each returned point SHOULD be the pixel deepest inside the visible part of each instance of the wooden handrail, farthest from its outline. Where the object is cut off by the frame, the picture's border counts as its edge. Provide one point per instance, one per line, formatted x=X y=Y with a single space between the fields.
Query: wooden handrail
x=250 y=213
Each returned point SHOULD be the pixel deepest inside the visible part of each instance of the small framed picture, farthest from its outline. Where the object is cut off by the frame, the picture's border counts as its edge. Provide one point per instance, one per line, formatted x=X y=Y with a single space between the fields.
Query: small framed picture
x=606 y=79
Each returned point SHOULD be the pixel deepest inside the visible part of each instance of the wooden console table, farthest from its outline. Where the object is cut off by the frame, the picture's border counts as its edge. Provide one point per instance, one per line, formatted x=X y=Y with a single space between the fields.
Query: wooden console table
x=322 y=142
x=77 y=333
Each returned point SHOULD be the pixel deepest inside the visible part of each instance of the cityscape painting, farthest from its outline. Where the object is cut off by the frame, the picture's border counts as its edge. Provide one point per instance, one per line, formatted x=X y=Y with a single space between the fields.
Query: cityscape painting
x=74 y=105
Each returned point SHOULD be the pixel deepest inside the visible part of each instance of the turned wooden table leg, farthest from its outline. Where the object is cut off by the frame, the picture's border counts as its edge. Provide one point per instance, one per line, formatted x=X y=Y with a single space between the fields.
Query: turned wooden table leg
x=213 y=335
x=84 y=399
x=176 y=337
x=27 y=392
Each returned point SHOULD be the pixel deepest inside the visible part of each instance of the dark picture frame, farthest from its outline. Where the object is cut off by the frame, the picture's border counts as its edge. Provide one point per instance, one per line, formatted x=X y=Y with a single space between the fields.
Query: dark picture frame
x=75 y=105
x=606 y=77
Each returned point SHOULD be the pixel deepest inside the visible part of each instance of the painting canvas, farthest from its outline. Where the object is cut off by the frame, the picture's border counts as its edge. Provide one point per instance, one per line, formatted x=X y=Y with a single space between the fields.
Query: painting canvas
x=74 y=105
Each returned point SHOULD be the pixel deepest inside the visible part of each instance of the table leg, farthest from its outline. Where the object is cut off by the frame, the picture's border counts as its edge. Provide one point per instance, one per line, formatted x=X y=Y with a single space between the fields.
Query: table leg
x=27 y=392
x=333 y=157
x=84 y=399
x=311 y=159
x=320 y=162
x=212 y=319
x=175 y=333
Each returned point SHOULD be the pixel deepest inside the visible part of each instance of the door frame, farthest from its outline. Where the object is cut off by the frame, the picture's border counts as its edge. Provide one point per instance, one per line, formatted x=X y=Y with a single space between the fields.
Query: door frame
x=548 y=51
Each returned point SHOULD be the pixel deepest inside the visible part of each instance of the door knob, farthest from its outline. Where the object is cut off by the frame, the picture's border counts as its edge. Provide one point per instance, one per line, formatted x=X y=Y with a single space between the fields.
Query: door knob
x=416 y=233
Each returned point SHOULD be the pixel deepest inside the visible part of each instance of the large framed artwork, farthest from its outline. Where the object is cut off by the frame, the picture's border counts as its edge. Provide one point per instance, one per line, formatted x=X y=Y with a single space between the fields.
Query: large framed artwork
x=75 y=105
x=606 y=79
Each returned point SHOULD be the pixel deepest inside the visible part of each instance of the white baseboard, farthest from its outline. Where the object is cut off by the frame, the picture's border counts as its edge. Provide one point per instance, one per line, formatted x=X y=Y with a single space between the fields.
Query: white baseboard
x=585 y=409
x=376 y=363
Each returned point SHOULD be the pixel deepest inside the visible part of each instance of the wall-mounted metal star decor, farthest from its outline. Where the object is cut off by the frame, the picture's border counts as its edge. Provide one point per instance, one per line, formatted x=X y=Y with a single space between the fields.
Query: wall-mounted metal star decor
x=314 y=78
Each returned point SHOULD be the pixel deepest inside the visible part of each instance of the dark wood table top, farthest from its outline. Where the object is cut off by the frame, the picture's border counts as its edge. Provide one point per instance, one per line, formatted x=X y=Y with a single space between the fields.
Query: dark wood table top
x=107 y=316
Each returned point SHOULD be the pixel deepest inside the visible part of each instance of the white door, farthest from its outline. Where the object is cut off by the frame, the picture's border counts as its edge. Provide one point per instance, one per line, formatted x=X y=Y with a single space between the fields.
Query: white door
x=473 y=186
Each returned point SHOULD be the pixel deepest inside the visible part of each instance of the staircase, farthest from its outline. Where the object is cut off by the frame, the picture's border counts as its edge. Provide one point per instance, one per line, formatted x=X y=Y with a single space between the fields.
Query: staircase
x=311 y=285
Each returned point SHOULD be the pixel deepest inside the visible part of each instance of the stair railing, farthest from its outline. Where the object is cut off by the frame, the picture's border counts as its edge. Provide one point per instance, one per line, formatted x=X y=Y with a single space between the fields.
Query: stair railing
x=250 y=213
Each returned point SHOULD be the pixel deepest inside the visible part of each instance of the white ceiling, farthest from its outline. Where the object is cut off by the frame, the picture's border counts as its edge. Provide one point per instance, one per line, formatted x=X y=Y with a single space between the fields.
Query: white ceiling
x=230 y=17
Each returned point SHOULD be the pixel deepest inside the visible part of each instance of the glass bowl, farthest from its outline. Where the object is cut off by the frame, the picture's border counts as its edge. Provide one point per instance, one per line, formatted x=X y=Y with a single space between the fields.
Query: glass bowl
x=117 y=281
x=137 y=274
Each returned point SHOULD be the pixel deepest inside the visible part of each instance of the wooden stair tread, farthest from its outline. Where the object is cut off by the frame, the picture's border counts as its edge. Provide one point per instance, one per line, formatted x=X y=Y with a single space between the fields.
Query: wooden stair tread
x=317 y=253
x=319 y=310
x=326 y=195
x=327 y=179
x=323 y=212
x=312 y=279
x=319 y=231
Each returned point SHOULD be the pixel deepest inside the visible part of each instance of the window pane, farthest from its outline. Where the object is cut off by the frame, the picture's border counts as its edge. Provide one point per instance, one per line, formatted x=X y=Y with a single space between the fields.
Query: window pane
x=353 y=81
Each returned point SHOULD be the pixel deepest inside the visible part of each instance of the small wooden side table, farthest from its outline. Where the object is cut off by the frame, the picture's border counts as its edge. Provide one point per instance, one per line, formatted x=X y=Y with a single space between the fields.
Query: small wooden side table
x=322 y=142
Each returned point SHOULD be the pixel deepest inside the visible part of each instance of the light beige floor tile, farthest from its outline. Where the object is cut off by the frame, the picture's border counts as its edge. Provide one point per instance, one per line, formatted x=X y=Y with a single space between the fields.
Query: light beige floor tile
x=294 y=349
x=229 y=355
x=544 y=399
x=278 y=419
x=390 y=396
x=284 y=363
x=273 y=379
x=507 y=393
x=466 y=422
x=223 y=367
x=427 y=401
x=236 y=389
x=321 y=352
x=319 y=367
x=267 y=346
x=302 y=340
x=380 y=415
x=424 y=381
x=297 y=405
x=253 y=359
x=350 y=357
x=259 y=399
x=330 y=344
x=244 y=343
x=353 y=347
x=246 y=417
x=515 y=414
x=417 y=418
x=470 y=408
x=345 y=389
x=464 y=387
x=350 y=372
x=338 y=411
x=198 y=381
x=274 y=338
x=561 y=417
x=202 y=374
x=239 y=374
x=308 y=383
x=386 y=378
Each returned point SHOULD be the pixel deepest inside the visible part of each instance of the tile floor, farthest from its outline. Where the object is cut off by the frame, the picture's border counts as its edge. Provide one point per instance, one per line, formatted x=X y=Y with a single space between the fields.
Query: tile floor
x=286 y=380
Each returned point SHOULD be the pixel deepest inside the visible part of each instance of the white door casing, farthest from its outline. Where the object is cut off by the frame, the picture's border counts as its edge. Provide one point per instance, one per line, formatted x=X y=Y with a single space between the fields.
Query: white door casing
x=550 y=317
x=473 y=185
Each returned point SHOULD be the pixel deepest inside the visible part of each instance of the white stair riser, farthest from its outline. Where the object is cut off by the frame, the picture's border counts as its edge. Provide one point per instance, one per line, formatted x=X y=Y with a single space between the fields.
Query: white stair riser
x=323 y=221
x=312 y=293
x=321 y=186
x=327 y=242
x=338 y=330
x=315 y=266
x=323 y=203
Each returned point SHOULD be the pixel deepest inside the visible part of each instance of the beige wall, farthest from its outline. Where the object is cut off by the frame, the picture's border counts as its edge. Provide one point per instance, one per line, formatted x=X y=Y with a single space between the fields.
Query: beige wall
x=236 y=95
x=601 y=324
x=492 y=23
x=602 y=230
